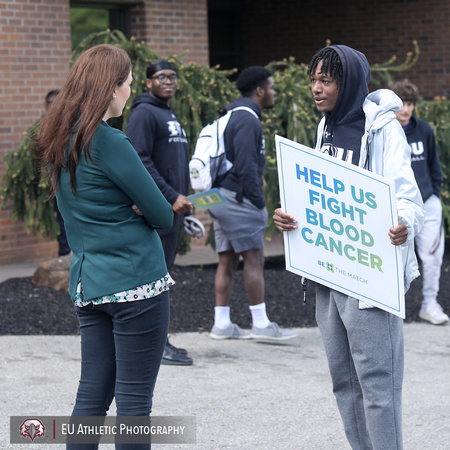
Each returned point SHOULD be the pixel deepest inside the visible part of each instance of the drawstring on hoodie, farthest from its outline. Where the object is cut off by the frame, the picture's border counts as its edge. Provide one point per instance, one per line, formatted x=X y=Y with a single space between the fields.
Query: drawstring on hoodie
x=303 y=281
x=366 y=162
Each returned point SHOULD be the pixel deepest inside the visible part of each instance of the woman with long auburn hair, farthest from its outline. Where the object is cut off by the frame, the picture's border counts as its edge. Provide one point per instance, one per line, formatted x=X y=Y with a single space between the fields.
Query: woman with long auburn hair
x=118 y=277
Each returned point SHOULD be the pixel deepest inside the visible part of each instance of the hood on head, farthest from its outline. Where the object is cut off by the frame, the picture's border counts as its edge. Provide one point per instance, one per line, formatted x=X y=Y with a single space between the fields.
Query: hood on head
x=354 y=87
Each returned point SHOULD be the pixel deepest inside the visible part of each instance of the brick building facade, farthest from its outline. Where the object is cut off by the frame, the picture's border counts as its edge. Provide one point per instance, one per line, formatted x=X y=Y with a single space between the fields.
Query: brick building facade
x=35 y=50
x=380 y=29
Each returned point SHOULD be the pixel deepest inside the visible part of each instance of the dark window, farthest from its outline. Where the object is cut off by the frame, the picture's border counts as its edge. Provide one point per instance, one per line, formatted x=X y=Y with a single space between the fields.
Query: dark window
x=92 y=17
x=224 y=35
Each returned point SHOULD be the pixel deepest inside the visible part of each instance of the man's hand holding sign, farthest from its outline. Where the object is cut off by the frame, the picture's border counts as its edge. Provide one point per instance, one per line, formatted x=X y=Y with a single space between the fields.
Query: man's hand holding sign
x=286 y=222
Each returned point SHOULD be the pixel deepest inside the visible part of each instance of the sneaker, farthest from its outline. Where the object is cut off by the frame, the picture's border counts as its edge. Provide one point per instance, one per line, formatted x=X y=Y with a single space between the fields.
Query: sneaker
x=434 y=313
x=232 y=332
x=272 y=333
x=171 y=357
x=181 y=351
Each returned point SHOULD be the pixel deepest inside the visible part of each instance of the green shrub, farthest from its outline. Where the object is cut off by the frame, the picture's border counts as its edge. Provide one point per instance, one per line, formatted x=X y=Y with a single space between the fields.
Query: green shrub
x=202 y=90
x=22 y=184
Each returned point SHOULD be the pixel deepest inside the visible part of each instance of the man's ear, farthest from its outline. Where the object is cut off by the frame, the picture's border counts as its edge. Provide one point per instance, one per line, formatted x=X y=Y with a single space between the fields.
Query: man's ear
x=148 y=82
x=260 y=92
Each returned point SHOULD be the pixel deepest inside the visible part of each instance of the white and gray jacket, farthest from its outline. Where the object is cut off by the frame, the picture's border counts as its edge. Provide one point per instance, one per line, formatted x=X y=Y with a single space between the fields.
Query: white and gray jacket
x=385 y=151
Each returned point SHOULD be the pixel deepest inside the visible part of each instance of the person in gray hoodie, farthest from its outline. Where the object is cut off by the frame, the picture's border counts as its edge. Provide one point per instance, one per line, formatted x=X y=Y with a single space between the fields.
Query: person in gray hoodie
x=364 y=345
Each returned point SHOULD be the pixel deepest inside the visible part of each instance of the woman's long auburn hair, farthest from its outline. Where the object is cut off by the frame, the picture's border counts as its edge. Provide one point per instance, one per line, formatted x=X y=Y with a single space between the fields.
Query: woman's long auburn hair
x=79 y=108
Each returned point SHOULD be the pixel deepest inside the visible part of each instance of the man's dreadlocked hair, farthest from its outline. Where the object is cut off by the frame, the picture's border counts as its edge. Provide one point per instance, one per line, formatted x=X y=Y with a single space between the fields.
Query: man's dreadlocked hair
x=331 y=64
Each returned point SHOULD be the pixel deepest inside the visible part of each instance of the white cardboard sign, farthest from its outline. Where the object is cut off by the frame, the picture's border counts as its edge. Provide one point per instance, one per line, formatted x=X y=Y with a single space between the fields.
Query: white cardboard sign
x=344 y=214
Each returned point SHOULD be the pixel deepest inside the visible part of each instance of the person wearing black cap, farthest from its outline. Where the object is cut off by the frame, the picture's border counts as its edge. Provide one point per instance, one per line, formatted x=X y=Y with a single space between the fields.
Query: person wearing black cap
x=161 y=143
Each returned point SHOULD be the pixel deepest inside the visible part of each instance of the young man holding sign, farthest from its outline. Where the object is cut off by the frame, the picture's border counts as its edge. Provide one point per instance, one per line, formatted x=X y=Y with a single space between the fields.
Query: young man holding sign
x=364 y=345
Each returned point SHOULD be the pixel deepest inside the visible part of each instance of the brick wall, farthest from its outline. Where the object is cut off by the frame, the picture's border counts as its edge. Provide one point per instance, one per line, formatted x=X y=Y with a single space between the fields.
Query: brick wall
x=35 y=51
x=34 y=55
x=275 y=30
x=34 y=58
x=171 y=28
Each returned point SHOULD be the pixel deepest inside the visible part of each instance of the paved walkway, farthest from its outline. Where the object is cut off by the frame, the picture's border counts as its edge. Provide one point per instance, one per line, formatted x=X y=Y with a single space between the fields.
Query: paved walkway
x=243 y=394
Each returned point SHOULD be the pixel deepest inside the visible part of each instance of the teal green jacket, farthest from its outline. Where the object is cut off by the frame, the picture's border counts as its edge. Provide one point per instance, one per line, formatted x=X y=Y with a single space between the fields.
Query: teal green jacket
x=113 y=248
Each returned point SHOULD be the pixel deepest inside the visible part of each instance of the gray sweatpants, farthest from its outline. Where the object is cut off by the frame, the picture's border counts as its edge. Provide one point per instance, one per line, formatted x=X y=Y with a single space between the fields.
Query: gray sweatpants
x=430 y=247
x=365 y=355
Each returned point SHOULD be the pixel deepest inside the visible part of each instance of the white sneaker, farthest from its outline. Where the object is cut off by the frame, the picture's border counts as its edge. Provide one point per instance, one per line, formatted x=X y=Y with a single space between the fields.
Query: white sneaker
x=232 y=332
x=272 y=333
x=434 y=313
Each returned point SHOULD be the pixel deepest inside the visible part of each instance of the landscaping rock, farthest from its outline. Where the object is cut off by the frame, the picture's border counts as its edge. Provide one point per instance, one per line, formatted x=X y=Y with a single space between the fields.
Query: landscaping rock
x=54 y=273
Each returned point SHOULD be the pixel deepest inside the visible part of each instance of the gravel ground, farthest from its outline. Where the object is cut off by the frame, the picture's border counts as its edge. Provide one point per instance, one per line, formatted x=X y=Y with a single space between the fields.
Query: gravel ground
x=27 y=309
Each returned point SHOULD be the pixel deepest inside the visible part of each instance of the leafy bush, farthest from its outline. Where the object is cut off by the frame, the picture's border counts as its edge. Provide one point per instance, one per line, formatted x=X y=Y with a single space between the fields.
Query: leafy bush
x=202 y=90
x=22 y=184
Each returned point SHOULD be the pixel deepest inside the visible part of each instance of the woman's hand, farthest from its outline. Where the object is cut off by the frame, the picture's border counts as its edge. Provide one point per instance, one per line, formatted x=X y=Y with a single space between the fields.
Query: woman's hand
x=136 y=210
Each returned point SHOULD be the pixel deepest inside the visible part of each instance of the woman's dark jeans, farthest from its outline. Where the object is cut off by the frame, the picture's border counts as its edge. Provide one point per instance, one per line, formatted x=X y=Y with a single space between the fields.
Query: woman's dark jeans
x=121 y=349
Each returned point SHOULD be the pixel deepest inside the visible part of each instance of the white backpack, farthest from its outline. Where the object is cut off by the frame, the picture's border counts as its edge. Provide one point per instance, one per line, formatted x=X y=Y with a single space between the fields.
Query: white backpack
x=209 y=163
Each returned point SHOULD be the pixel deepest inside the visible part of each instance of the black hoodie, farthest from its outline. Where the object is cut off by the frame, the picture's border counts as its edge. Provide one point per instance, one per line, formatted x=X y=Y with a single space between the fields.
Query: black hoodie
x=424 y=157
x=244 y=147
x=161 y=144
x=344 y=125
